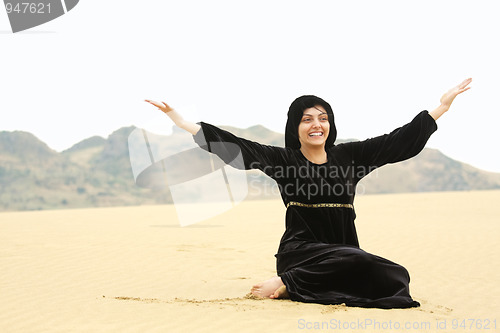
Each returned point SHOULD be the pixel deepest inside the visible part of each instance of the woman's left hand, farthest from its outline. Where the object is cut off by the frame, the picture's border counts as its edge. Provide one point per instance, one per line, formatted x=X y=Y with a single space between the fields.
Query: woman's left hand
x=449 y=96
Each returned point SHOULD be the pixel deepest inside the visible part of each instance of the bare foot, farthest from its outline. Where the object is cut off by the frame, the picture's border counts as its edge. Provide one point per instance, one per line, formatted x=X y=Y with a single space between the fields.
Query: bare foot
x=280 y=293
x=267 y=288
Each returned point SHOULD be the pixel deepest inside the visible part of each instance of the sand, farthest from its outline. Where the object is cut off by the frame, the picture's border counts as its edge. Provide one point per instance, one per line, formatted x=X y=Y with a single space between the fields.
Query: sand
x=134 y=269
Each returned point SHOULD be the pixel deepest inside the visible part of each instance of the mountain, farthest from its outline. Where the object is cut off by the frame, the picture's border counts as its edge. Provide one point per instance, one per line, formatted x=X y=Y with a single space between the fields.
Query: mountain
x=93 y=173
x=97 y=171
x=430 y=170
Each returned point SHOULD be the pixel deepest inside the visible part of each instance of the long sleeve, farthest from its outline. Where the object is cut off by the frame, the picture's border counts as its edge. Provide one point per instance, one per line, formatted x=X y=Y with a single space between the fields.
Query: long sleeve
x=238 y=152
x=399 y=145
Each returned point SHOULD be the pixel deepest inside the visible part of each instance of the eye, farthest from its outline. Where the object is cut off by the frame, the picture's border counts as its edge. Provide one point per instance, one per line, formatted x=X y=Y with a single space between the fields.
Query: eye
x=324 y=118
x=306 y=119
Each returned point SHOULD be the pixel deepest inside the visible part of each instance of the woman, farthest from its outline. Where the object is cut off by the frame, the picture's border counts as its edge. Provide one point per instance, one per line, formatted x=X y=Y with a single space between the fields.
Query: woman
x=319 y=259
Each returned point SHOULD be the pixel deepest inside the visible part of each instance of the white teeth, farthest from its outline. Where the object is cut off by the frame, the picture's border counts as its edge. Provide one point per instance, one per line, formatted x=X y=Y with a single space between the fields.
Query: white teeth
x=316 y=134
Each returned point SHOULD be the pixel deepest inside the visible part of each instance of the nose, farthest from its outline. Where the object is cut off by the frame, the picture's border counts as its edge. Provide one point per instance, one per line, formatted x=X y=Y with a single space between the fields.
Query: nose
x=316 y=123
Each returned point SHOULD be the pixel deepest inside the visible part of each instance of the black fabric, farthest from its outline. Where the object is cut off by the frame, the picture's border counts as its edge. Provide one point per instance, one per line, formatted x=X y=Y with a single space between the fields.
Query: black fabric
x=319 y=259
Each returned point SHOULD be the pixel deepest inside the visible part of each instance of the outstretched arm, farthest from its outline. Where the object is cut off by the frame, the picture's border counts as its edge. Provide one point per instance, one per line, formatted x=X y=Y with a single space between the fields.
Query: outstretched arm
x=238 y=152
x=176 y=117
x=448 y=98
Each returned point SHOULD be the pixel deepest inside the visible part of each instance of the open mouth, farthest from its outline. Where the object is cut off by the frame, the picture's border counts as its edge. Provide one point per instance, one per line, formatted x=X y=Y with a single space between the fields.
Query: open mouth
x=316 y=134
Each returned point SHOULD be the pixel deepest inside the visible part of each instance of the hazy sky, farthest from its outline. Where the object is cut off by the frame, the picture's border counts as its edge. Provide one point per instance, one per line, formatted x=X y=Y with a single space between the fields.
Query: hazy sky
x=242 y=63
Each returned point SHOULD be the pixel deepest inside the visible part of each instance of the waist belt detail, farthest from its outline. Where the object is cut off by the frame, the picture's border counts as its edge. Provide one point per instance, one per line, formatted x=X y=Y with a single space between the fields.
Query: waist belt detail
x=319 y=205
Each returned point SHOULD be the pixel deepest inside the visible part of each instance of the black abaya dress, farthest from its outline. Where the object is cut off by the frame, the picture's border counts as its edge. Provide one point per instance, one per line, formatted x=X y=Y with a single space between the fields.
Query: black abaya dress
x=319 y=259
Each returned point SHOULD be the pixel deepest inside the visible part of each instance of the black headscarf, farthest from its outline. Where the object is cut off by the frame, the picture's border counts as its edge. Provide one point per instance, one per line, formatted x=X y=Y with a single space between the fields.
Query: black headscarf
x=295 y=114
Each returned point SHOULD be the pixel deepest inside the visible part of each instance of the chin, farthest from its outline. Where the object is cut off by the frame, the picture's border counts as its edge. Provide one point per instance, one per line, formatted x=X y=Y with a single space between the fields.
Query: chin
x=313 y=144
x=318 y=142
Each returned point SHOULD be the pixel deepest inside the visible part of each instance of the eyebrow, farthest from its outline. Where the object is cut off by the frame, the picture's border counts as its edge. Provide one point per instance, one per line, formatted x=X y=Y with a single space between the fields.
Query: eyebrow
x=310 y=115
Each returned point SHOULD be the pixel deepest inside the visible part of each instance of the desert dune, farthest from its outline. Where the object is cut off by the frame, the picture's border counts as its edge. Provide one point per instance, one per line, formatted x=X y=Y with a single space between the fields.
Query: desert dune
x=135 y=269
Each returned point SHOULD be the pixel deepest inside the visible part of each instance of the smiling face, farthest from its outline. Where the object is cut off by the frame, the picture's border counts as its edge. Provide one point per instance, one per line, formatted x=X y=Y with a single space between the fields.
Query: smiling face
x=314 y=127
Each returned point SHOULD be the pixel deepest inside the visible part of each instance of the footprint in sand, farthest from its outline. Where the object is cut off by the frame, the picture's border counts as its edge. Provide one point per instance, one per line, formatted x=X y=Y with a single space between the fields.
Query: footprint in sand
x=434 y=308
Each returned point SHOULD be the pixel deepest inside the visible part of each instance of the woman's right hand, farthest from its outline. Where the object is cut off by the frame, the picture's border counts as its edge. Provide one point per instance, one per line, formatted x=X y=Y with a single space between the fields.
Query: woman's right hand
x=176 y=117
x=164 y=107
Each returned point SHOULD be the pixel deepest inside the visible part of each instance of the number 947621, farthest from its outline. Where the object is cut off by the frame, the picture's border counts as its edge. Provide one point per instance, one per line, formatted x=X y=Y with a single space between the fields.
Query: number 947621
x=28 y=8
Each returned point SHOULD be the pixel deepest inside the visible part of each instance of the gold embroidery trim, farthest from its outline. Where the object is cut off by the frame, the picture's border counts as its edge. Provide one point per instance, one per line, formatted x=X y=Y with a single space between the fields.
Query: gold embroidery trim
x=319 y=205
